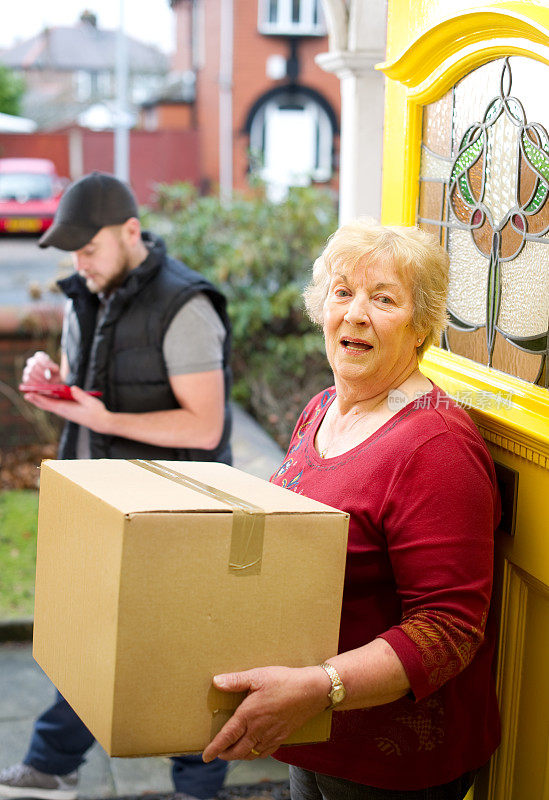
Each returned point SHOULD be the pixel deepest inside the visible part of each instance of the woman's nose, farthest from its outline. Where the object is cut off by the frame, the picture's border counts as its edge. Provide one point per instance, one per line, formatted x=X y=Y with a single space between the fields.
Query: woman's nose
x=358 y=312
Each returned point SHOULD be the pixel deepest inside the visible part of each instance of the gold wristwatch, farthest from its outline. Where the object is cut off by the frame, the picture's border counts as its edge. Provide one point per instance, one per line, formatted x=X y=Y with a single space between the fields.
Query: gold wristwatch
x=337 y=693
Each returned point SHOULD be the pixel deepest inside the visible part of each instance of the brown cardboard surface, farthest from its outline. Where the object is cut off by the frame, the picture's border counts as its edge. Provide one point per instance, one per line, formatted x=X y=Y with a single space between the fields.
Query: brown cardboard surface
x=137 y=607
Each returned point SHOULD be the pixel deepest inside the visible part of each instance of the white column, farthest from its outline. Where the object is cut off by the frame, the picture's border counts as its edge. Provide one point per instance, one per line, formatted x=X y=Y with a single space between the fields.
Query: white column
x=362 y=101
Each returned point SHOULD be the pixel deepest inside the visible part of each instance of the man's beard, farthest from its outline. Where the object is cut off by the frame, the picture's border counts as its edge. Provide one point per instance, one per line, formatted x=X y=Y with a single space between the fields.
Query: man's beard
x=114 y=283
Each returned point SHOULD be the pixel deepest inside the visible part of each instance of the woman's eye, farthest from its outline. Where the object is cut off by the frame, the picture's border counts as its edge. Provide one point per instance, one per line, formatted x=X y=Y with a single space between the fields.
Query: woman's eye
x=384 y=299
x=341 y=293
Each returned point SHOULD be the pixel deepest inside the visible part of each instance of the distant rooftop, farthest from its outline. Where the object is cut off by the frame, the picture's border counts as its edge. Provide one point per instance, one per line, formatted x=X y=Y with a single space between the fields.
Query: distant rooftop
x=83 y=46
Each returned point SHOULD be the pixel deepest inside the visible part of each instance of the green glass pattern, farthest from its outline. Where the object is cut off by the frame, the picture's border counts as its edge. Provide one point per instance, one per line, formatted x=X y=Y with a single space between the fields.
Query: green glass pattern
x=468 y=156
x=539 y=161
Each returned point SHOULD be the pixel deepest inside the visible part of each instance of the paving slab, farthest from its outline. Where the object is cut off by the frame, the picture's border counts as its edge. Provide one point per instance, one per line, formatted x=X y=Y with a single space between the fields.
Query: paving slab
x=253 y=449
x=25 y=691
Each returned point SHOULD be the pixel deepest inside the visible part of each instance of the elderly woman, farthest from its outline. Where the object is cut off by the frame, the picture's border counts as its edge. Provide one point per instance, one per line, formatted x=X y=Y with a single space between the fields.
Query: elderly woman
x=416 y=712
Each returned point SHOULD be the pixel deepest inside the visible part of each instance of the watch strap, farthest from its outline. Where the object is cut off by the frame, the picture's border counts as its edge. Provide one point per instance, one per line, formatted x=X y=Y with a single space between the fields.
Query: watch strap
x=337 y=693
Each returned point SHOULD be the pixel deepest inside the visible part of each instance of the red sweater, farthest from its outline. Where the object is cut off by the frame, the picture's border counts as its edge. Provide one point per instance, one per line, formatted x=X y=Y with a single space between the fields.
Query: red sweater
x=423 y=503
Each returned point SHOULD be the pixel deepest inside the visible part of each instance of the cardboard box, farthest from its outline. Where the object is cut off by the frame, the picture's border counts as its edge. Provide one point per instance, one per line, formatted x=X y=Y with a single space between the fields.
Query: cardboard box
x=154 y=576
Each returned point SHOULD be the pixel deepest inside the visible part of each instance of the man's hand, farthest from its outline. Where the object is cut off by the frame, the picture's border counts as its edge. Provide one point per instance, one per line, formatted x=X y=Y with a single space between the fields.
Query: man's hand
x=83 y=409
x=279 y=701
x=40 y=368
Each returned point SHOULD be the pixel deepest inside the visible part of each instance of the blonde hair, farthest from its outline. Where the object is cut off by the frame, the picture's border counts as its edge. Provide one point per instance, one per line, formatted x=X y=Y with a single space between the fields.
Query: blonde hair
x=414 y=253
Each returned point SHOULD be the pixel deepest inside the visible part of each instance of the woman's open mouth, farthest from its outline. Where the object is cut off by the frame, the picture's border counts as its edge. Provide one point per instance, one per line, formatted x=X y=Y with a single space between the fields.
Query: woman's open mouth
x=356 y=345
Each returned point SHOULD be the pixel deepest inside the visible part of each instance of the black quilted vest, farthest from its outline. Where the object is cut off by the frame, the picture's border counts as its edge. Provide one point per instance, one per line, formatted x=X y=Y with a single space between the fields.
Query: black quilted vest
x=127 y=363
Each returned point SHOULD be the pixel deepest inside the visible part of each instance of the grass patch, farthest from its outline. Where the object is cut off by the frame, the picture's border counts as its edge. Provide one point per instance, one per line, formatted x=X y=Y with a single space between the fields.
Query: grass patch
x=18 y=524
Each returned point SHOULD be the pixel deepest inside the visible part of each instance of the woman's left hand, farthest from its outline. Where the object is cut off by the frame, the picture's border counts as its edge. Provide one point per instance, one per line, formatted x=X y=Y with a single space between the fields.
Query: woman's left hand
x=279 y=701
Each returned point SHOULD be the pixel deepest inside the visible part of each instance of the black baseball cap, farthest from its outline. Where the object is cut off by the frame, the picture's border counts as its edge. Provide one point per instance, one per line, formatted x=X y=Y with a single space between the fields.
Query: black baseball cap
x=89 y=204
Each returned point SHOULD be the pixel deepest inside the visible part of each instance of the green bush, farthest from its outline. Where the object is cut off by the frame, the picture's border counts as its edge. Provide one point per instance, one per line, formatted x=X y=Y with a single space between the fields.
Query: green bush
x=260 y=254
x=12 y=89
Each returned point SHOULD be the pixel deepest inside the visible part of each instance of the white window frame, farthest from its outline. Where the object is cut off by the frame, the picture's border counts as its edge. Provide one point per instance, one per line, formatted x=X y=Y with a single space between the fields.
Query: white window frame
x=323 y=170
x=310 y=23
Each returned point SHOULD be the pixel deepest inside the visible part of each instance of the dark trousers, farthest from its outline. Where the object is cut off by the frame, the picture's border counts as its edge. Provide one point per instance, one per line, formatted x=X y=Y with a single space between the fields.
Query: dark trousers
x=60 y=741
x=305 y=785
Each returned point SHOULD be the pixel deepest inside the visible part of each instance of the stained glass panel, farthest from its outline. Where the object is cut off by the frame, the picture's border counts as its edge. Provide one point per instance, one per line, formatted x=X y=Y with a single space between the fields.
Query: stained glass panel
x=484 y=191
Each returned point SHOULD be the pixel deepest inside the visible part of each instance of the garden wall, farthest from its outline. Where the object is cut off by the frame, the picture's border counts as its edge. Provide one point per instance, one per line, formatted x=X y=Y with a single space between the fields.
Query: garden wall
x=23 y=331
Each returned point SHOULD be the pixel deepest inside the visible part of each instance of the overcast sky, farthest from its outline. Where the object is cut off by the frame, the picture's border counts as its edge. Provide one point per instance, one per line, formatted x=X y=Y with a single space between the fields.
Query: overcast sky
x=152 y=21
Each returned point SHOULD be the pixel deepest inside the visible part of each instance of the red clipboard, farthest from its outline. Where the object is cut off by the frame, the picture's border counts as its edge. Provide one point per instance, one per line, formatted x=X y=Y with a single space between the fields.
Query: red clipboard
x=59 y=391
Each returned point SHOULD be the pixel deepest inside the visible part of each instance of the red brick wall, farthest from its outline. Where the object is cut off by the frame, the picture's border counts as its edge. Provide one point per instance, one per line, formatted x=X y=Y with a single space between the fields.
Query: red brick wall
x=174 y=117
x=21 y=335
x=182 y=58
x=207 y=94
x=155 y=156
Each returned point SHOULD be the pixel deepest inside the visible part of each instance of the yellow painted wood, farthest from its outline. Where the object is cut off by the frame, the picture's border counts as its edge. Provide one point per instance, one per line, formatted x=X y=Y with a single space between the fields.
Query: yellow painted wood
x=431 y=45
x=526 y=421
x=456 y=38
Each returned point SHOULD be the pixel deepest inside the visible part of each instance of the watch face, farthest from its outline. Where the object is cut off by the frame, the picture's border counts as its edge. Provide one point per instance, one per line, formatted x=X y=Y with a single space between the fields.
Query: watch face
x=338 y=695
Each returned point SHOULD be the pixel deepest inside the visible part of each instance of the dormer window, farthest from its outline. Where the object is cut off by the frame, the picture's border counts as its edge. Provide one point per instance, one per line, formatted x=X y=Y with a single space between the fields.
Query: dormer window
x=291 y=18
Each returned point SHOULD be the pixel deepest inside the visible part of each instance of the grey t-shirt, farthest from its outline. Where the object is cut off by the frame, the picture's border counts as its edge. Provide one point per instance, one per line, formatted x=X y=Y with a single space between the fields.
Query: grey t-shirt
x=193 y=343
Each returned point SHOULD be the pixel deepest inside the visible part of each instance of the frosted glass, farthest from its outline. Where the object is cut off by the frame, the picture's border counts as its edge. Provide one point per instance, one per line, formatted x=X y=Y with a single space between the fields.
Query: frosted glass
x=524 y=309
x=433 y=166
x=468 y=278
x=501 y=169
x=437 y=125
x=472 y=96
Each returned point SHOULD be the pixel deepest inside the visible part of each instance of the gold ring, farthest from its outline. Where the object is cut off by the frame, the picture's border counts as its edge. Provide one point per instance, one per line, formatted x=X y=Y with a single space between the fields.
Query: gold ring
x=254 y=752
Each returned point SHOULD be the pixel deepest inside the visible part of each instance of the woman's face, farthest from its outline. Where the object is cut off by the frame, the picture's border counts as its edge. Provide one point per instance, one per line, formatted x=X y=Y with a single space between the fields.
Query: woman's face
x=370 y=339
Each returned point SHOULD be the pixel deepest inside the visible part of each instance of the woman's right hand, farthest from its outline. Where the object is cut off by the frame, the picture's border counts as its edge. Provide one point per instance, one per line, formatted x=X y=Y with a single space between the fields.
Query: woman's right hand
x=41 y=369
x=279 y=700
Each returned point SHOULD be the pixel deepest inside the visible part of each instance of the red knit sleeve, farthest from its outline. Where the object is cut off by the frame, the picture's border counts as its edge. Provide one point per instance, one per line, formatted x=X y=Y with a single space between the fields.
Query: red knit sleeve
x=439 y=524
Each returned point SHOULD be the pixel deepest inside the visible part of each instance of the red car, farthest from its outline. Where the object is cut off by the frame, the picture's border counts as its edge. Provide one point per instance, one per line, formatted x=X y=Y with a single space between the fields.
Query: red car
x=29 y=194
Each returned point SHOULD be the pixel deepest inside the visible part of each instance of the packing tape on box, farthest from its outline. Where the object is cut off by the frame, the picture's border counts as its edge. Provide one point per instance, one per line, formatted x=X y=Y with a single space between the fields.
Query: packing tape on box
x=248 y=519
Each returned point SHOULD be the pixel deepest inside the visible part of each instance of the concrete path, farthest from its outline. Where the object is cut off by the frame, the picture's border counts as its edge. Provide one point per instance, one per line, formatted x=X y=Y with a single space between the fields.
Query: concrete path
x=25 y=691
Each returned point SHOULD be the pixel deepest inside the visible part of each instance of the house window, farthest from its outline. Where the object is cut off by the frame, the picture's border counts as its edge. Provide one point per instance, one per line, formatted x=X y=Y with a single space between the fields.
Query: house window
x=291 y=18
x=83 y=85
x=291 y=135
x=104 y=84
x=143 y=86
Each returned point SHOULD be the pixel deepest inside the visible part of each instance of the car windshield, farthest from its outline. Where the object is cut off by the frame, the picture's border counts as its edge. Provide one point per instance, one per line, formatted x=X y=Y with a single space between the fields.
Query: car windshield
x=25 y=186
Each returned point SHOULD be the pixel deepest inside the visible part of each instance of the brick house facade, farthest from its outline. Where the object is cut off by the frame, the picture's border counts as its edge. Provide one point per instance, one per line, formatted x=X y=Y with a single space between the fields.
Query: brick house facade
x=258 y=88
